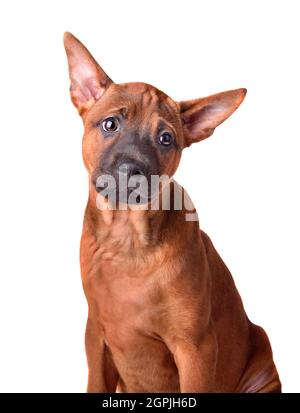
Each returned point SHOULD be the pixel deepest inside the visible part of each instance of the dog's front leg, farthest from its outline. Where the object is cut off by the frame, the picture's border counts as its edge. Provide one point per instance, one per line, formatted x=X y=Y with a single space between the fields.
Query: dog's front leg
x=196 y=363
x=103 y=375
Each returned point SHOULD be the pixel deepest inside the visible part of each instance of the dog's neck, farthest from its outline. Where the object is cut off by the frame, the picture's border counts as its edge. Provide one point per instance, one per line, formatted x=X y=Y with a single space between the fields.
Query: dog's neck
x=126 y=230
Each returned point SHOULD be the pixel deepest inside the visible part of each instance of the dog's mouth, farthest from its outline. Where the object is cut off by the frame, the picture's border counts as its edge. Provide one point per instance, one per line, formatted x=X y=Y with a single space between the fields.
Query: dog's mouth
x=135 y=190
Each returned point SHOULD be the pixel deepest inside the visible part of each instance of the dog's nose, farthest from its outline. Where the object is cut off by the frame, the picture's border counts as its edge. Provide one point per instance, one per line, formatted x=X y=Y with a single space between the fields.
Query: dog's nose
x=131 y=169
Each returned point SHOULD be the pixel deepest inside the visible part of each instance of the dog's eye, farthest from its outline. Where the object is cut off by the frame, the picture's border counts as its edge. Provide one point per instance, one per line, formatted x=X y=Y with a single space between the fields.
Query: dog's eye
x=165 y=139
x=110 y=124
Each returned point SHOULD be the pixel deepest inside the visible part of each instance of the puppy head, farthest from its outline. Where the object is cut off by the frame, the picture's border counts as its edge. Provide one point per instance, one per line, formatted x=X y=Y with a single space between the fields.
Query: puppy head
x=134 y=128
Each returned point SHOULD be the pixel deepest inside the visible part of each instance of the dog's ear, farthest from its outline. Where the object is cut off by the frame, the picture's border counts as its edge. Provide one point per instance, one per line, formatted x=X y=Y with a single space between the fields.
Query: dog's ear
x=88 y=80
x=201 y=116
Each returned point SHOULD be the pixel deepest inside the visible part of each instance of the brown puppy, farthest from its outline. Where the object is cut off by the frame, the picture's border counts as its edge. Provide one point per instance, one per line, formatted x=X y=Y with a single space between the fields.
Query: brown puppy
x=164 y=313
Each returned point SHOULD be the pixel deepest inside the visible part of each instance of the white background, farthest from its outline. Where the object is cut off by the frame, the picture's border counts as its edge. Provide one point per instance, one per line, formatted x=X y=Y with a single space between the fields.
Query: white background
x=244 y=180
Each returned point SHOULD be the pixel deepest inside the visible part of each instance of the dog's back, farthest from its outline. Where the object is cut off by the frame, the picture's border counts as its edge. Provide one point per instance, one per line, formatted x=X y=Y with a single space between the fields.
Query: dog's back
x=243 y=346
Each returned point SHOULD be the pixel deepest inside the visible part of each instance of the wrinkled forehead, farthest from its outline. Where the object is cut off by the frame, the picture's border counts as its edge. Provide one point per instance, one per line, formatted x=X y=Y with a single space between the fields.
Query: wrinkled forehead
x=139 y=103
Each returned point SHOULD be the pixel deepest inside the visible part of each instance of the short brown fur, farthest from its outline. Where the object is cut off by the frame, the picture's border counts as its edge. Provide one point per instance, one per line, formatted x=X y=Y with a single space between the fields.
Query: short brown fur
x=164 y=312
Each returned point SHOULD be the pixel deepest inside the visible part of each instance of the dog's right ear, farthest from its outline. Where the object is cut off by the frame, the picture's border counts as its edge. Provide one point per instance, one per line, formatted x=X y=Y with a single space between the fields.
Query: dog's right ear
x=88 y=80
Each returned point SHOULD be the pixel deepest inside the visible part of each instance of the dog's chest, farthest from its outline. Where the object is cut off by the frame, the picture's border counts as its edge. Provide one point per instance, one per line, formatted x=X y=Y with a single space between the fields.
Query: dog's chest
x=130 y=319
x=124 y=302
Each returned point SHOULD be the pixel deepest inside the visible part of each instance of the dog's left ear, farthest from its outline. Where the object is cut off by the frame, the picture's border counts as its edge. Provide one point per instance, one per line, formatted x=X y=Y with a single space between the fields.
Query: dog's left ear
x=88 y=79
x=201 y=116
